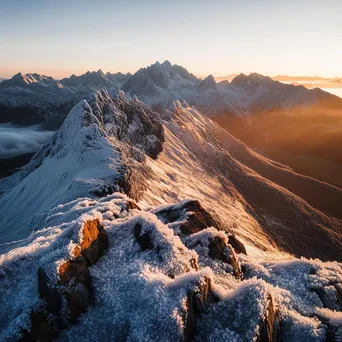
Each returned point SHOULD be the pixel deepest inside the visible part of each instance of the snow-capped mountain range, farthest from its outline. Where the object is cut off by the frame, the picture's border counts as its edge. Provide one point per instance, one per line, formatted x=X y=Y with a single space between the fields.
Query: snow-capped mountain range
x=36 y=98
x=141 y=226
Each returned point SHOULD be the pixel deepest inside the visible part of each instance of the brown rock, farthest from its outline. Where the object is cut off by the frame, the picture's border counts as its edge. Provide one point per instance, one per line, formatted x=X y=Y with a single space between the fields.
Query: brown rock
x=95 y=241
x=73 y=286
x=197 y=218
x=270 y=326
x=198 y=302
x=218 y=249
x=74 y=272
x=130 y=205
x=238 y=246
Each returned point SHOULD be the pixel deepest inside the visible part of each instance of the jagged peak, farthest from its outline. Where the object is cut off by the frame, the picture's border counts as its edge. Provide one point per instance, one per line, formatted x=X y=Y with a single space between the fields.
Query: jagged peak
x=167 y=63
x=253 y=77
x=101 y=73
x=224 y=82
x=208 y=82
x=80 y=116
x=29 y=78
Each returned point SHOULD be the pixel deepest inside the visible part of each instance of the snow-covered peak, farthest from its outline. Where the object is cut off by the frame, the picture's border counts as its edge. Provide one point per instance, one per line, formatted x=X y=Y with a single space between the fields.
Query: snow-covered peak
x=207 y=83
x=252 y=79
x=100 y=148
x=25 y=80
x=167 y=64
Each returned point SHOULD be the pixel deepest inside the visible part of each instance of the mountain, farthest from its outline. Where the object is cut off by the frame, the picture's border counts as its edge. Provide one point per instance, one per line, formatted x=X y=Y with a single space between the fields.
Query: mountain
x=83 y=141
x=160 y=84
x=32 y=98
x=292 y=124
x=130 y=225
x=260 y=94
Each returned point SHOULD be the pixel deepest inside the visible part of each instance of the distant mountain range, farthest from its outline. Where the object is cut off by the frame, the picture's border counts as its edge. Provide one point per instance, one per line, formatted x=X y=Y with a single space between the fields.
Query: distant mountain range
x=33 y=98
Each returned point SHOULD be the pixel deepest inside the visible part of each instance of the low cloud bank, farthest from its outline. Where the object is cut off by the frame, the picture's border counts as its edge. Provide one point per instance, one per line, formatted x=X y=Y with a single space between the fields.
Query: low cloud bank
x=16 y=140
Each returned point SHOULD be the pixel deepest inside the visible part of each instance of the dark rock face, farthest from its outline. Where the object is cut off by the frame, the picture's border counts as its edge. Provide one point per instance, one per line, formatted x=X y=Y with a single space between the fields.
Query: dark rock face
x=144 y=240
x=74 y=277
x=238 y=246
x=194 y=216
x=198 y=302
x=42 y=329
x=218 y=249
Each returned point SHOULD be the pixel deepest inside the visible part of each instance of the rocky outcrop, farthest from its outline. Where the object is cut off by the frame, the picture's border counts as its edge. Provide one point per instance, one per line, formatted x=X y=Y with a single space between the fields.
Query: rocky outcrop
x=219 y=249
x=67 y=292
x=94 y=242
x=189 y=214
x=238 y=246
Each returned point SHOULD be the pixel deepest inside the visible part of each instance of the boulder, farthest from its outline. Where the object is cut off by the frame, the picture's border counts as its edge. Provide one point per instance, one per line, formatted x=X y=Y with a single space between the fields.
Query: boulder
x=191 y=215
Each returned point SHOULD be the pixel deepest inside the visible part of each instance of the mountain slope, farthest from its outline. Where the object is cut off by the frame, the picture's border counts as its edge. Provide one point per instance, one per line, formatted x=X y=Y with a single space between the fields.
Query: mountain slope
x=237 y=184
x=84 y=157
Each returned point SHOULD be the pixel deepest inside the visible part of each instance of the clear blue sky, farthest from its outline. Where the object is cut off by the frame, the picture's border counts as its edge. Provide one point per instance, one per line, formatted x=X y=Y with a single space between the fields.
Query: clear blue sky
x=57 y=38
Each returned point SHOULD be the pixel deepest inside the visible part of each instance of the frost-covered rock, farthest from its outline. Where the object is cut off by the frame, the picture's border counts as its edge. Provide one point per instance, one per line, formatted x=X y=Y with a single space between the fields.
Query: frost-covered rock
x=153 y=293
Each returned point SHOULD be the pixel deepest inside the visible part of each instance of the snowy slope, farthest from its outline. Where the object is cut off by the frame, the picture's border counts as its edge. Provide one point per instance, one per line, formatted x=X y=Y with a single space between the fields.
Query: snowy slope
x=84 y=157
x=202 y=160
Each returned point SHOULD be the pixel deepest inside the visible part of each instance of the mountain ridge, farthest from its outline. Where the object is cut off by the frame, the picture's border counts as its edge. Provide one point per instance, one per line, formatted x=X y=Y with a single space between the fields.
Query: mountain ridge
x=158 y=85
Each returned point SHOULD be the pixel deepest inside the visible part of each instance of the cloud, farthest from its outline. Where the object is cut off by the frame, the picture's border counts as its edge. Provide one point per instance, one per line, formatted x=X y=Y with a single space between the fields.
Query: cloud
x=16 y=140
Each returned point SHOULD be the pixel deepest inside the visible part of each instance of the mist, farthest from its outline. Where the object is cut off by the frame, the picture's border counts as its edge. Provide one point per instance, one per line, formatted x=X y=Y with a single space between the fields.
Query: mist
x=16 y=140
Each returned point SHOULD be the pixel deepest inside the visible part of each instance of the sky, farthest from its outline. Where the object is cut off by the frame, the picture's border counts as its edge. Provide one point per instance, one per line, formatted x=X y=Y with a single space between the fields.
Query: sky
x=219 y=37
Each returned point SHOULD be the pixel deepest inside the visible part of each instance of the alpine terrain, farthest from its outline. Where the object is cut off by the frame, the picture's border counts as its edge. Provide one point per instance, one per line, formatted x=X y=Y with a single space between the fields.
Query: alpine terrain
x=142 y=219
